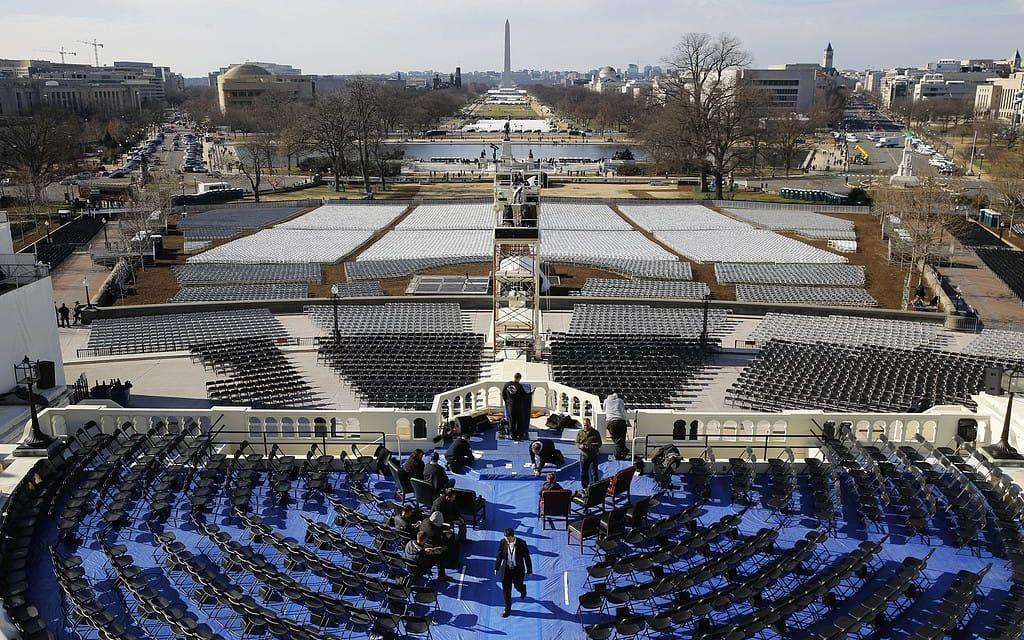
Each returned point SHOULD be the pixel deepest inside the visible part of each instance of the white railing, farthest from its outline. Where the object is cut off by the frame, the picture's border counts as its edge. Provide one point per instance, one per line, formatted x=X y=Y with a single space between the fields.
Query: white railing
x=295 y=430
x=799 y=430
x=486 y=396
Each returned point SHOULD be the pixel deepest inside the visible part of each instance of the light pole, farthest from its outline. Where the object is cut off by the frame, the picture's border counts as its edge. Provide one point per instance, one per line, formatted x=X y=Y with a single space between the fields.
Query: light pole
x=47 y=223
x=88 y=302
x=26 y=373
x=106 y=242
x=334 y=302
x=1012 y=383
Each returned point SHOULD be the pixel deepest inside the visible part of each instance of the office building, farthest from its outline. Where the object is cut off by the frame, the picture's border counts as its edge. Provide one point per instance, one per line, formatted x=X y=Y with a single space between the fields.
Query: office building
x=242 y=84
x=1001 y=99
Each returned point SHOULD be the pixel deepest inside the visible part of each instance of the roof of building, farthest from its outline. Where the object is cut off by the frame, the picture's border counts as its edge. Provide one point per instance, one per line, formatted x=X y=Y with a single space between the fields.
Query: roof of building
x=606 y=72
x=245 y=71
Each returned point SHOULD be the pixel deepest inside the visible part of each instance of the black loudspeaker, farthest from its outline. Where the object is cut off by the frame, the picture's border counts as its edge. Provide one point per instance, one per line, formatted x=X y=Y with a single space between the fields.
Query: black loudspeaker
x=46 y=372
x=473 y=424
x=993 y=381
x=967 y=429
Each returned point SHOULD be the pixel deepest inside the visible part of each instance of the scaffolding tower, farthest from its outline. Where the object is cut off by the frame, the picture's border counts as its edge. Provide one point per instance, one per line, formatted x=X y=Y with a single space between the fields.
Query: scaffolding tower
x=517 y=265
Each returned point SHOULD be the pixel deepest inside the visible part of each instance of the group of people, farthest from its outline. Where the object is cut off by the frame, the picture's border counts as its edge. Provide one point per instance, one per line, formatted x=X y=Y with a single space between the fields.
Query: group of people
x=64 y=314
x=436 y=539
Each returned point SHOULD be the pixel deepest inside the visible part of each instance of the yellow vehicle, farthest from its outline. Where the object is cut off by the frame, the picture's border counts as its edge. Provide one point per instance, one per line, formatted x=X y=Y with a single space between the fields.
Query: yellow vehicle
x=861 y=155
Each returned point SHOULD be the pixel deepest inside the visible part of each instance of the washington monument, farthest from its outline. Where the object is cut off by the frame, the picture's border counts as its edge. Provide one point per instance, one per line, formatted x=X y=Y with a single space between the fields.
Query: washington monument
x=506 y=73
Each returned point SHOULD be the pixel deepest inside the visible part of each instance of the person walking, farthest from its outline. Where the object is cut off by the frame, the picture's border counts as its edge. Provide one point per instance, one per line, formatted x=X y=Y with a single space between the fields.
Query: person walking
x=589 y=442
x=513 y=564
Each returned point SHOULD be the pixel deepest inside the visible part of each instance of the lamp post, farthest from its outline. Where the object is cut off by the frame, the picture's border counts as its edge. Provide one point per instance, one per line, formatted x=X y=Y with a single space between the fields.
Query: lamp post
x=1012 y=383
x=334 y=303
x=26 y=373
x=47 y=223
x=106 y=242
x=88 y=301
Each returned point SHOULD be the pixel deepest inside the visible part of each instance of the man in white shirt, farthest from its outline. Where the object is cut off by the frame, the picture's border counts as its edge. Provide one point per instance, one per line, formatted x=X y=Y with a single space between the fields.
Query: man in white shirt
x=617 y=424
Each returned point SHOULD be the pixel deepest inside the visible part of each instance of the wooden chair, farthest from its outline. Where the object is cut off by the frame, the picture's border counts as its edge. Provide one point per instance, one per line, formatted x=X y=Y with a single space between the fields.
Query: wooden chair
x=620 y=484
x=554 y=503
x=585 y=527
x=593 y=497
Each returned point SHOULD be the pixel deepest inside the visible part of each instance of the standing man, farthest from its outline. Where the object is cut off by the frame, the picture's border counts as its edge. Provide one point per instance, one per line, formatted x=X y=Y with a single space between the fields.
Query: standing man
x=588 y=441
x=65 y=315
x=615 y=411
x=510 y=395
x=513 y=564
x=78 y=312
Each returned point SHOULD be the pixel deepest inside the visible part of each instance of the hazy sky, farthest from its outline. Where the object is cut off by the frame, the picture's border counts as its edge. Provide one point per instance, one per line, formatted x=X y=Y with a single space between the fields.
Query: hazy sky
x=372 y=36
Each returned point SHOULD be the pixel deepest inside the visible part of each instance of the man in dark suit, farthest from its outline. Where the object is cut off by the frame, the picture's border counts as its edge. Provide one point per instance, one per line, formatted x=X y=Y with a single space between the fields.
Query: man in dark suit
x=513 y=564
x=434 y=474
x=512 y=395
x=440 y=536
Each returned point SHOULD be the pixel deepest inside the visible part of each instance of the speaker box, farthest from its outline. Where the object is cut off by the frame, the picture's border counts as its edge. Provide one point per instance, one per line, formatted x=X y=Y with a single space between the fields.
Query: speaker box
x=47 y=374
x=993 y=381
x=967 y=429
x=474 y=424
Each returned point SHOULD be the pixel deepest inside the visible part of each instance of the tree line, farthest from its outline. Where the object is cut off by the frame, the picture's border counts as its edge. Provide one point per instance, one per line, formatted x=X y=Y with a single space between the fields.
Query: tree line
x=345 y=132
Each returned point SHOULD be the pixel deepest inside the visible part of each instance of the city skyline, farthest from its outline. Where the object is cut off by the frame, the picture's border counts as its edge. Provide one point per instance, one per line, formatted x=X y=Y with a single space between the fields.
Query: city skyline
x=349 y=38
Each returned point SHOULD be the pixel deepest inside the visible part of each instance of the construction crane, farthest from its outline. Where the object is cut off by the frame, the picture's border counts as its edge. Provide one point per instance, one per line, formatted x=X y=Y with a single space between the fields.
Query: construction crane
x=96 y=46
x=862 y=155
x=63 y=52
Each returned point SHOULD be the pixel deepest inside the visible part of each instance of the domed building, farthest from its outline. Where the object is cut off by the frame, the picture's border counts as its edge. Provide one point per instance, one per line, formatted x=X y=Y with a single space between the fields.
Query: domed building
x=607 y=80
x=241 y=84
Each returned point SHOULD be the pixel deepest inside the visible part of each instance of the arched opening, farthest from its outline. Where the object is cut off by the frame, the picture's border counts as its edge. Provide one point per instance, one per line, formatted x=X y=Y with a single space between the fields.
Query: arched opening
x=255 y=429
x=287 y=428
x=320 y=428
x=304 y=430
x=930 y=430
x=896 y=431
x=270 y=427
x=878 y=429
x=913 y=428
x=863 y=430
x=746 y=430
x=419 y=428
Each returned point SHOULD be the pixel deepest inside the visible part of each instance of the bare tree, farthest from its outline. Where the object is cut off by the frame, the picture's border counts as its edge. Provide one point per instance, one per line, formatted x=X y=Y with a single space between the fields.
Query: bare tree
x=256 y=160
x=1007 y=171
x=734 y=115
x=149 y=211
x=710 y=119
x=40 y=147
x=785 y=133
x=362 y=104
x=925 y=214
x=331 y=133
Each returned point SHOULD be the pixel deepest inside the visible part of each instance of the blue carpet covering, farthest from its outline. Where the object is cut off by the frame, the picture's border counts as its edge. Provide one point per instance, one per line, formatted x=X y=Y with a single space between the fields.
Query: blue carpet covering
x=470 y=606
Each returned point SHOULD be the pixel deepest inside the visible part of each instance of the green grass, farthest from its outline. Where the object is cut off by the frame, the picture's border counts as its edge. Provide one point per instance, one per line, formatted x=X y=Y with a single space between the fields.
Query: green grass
x=505 y=110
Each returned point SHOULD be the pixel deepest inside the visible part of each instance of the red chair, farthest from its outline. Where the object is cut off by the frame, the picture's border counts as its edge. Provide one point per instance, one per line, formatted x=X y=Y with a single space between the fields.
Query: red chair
x=620 y=484
x=554 y=503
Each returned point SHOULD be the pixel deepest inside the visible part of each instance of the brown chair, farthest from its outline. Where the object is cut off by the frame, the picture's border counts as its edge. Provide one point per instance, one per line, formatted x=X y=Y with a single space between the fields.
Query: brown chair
x=592 y=497
x=585 y=527
x=554 y=503
x=620 y=484
x=636 y=515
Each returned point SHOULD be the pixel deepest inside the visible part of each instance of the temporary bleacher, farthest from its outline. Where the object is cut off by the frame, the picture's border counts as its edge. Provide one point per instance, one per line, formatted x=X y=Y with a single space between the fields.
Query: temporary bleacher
x=850 y=330
x=403 y=368
x=286 y=245
x=744 y=244
x=363 y=289
x=819 y=296
x=56 y=247
x=195 y=274
x=997 y=343
x=646 y=370
x=179 y=331
x=392 y=317
x=256 y=374
x=835 y=275
x=612 y=288
x=1008 y=265
x=839 y=377
x=617 y=319
x=229 y=292
x=227 y=222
